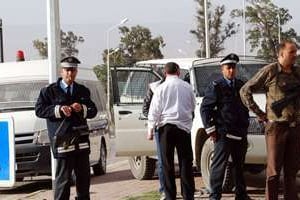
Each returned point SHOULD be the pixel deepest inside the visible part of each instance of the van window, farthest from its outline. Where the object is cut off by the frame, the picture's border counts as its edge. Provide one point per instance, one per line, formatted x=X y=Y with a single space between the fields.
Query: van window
x=132 y=85
x=206 y=74
x=159 y=68
x=97 y=93
x=21 y=94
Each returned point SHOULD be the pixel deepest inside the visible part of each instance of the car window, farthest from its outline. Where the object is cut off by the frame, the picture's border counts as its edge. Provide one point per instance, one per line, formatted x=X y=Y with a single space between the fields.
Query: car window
x=21 y=94
x=132 y=85
x=97 y=93
x=206 y=74
x=159 y=68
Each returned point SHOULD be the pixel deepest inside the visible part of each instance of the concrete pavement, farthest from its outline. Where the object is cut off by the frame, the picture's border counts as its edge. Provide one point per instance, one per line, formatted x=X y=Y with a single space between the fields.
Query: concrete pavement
x=117 y=184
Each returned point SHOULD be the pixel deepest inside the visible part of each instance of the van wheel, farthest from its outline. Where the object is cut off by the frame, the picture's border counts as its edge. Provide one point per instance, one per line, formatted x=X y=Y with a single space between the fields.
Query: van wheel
x=142 y=167
x=206 y=158
x=100 y=167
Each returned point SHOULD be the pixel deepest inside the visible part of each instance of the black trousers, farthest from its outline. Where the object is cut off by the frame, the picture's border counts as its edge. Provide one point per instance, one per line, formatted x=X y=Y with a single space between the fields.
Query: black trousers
x=223 y=148
x=79 y=162
x=171 y=137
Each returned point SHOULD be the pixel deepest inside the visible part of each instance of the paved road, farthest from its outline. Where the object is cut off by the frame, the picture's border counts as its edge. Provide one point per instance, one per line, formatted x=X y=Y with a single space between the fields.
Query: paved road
x=117 y=184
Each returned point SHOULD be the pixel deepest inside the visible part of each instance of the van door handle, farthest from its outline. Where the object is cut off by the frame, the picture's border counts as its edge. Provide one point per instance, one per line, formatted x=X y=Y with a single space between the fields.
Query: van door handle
x=124 y=112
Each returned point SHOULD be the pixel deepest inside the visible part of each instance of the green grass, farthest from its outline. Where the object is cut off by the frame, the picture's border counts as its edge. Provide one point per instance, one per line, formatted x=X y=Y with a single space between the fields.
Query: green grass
x=145 y=196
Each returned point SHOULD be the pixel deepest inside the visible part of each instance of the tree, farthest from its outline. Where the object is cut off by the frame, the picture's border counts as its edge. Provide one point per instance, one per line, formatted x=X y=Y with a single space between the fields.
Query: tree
x=115 y=59
x=262 y=16
x=69 y=42
x=218 y=32
x=136 y=44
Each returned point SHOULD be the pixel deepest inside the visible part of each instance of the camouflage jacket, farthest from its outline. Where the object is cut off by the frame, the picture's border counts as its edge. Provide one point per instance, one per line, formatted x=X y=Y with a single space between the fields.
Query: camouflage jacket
x=274 y=82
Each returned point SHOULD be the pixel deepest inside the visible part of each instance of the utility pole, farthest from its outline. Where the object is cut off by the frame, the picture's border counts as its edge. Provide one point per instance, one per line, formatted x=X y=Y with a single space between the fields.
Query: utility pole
x=244 y=28
x=279 y=31
x=53 y=32
x=1 y=42
x=207 y=42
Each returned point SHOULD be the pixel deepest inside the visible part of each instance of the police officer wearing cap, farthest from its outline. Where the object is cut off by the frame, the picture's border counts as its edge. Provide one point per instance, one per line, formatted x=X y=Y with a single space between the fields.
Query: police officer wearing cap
x=66 y=105
x=226 y=121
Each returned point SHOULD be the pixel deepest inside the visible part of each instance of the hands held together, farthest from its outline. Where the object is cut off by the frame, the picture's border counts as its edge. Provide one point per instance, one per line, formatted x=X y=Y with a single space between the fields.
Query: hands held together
x=67 y=110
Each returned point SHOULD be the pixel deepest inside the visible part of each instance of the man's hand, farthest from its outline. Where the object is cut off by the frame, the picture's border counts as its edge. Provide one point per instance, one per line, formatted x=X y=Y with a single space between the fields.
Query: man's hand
x=76 y=107
x=67 y=110
x=213 y=136
x=150 y=134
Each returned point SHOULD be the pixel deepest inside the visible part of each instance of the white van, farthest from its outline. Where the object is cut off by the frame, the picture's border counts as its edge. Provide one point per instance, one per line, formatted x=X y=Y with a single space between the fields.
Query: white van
x=20 y=84
x=129 y=88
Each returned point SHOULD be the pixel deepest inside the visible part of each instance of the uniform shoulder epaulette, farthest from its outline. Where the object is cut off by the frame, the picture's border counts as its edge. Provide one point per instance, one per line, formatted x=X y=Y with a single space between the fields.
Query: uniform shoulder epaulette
x=215 y=83
x=218 y=81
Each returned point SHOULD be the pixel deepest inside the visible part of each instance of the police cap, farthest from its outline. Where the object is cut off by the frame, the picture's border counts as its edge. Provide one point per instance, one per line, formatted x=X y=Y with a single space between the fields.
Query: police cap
x=70 y=61
x=230 y=59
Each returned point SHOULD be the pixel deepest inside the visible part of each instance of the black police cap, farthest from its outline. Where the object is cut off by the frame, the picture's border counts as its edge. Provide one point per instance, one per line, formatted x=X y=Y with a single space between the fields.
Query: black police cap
x=70 y=61
x=230 y=59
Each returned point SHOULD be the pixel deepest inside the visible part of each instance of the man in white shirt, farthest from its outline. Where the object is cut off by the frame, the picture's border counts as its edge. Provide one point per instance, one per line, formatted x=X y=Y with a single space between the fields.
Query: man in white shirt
x=171 y=110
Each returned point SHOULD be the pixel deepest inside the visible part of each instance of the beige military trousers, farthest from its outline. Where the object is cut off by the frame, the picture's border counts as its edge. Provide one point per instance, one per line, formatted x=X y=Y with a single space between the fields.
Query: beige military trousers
x=282 y=143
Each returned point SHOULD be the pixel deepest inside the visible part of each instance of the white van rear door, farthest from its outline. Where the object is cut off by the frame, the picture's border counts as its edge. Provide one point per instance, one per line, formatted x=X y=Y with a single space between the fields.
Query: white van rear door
x=129 y=88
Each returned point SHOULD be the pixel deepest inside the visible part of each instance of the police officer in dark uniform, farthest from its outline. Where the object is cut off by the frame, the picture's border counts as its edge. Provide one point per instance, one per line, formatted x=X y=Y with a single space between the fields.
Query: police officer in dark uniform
x=226 y=121
x=66 y=105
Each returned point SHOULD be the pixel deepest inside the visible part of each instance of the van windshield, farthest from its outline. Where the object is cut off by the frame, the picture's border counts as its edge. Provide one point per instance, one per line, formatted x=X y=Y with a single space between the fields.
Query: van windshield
x=206 y=74
x=159 y=68
x=20 y=95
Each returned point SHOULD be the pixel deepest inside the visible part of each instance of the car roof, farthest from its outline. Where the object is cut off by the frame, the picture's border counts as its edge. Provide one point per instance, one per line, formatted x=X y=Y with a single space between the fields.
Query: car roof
x=184 y=63
x=187 y=63
x=35 y=70
x=216 y=60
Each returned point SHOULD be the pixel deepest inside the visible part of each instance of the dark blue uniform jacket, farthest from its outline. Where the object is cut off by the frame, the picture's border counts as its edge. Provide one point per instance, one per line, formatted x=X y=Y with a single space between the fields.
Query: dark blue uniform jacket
x=50 y=98
x=223 y=109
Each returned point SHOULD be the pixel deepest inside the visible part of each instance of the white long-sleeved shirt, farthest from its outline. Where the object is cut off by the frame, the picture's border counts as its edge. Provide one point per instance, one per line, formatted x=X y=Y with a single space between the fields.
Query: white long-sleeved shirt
x=173 y=103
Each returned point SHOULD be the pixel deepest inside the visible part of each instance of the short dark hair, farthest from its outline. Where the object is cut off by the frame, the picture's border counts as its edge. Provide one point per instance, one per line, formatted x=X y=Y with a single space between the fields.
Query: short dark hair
x=171 y=68
x=283 y=44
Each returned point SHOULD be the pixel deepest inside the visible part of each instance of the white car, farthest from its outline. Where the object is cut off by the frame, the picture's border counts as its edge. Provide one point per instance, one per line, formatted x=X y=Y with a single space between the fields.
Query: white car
x=20 y=84
x=129 y=88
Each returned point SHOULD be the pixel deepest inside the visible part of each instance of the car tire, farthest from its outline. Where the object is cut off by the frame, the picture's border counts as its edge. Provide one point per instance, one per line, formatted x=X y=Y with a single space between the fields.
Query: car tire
x=100 y=168
x=206 y=158
x=142 y=167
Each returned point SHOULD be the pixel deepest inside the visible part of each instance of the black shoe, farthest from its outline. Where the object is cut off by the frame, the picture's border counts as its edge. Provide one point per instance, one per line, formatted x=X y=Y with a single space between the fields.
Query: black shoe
x=244 y=197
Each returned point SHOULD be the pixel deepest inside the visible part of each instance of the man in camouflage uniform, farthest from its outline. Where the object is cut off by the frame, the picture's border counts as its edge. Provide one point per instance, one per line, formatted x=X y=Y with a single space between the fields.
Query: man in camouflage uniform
x=281 y=132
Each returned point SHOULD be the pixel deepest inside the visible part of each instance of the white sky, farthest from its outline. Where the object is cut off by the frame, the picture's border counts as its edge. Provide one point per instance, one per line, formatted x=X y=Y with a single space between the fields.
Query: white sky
x=24 y=21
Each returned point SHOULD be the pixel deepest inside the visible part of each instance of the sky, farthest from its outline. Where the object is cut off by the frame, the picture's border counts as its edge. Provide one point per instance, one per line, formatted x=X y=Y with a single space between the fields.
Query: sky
x=25 y=21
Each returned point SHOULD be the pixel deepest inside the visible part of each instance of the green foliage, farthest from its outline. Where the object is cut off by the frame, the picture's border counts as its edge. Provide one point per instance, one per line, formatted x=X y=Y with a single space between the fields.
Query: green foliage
x=42 y=47
x=218 y=31
x=145 y=196
x=136 y=44
x=69 y=42
x=262 y=16
x=101 y=73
